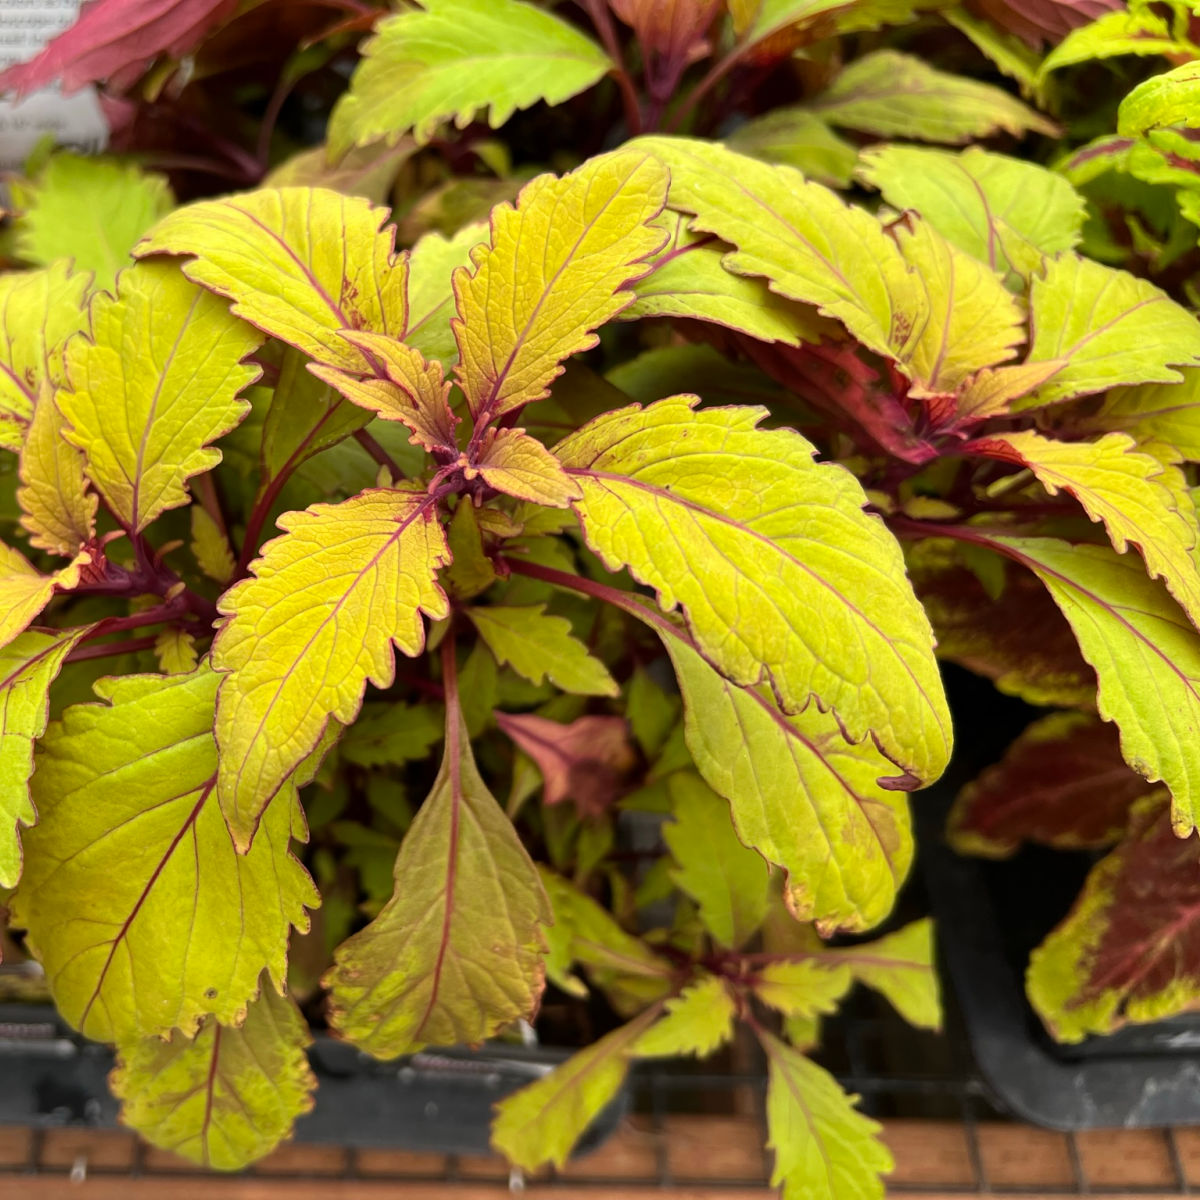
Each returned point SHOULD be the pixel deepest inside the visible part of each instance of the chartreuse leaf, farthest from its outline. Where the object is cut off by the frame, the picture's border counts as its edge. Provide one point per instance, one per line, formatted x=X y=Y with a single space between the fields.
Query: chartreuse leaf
x=543 y=1121
x=1127 y=951
x=392 y=734
x=456 y=58
x=1108 y=327
x=536 y=645
x=727 y=880
x=972 y=322
x=1138 y=498
x=800 y=236
x=472 y=571
x=1062 y=783
x=137 y=903
x=556 y=268
x=1145 y=652
x=175 y=650
x=211 y=547
x=1137 y=31
x=225 y=1097
x=90 y=210
x=24 y=591
x=900 y=967
x=824 y=1148
x=698 y=1021
x=1008 y=53
x=802 y=140
x=801 y=795
x=892 y=94
x=689 y=280
x=317 y=621
x=305 y=417
x=456 y=954
x=404 y=387
x=742 y=529
x=144 y=421
x=978 y=200
x=39 y=310
x=299 y=263
x=431 y=266
x=28 y=666
x=1169 y=99
x=1167 y=412
x=57 y=509
x=803 y=988
x=518 y=465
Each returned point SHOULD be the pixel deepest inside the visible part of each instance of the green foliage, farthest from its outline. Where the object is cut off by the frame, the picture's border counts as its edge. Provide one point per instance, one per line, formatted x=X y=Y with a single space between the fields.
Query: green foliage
x=615 y=468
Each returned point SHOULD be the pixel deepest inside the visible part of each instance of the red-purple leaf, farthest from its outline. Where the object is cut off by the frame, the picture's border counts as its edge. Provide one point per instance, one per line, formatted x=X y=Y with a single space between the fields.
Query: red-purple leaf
x=1039 y=21
x=1062 y=783
x=116 y=40
x=585 y=762
x=1130 y=948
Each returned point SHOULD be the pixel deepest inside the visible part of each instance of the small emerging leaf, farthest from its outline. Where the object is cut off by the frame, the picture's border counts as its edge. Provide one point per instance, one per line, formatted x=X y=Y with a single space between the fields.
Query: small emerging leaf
x=518 y=465
x=698 y=1021
x=536 y=645
x=211 y=547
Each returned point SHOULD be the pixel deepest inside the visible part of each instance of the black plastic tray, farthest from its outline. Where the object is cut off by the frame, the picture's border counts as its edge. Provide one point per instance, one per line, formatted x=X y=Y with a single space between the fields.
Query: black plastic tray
x=436 y=1101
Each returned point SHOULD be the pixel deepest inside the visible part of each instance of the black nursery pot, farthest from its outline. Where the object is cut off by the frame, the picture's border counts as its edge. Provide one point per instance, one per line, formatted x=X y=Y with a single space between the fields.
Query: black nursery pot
x=989 y=917
x=435 y=1102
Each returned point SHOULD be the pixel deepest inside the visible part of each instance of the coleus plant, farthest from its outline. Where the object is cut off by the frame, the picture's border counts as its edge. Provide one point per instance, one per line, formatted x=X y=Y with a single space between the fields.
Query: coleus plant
x=470 y=457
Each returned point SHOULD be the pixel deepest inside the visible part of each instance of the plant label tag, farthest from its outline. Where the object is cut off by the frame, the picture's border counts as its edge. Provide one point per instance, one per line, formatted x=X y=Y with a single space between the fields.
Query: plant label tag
x=76 y=120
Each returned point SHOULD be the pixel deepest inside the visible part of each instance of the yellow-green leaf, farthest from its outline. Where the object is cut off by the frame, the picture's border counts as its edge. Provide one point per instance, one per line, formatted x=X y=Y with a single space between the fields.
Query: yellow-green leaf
x=39 y=310
x=392 y=734
x=211 y=547
x=698 y=1021
x=1141 y=31
x=57 y=509
x=801 y=795
x=317 y=621
x=137 y=903
x=518 y=465
x=972 y=321
x=456 y=954
x=900 y=967
x=1168 y=412
x=1169 y=99
x=175 y=650
x=978 y=200
x=536 y=645
x=89 y=210
x=404 y=386
x=728 y=881
x=557 y=267
x=299 y=263
x=688 y=279
x=1146 y=654
x=457 y=58
x=805 y=988
x=1138 y=498
x=25 y=591
x=471 y=571
x=892 y=94
x=780 y=573
x=28 y=666
x=225 y=1097
x=431 y=267
x=802 y=140
x=543 y=1121
x=800 y=236
x=1108 y=327
x=824 y=1148
x=144 y=420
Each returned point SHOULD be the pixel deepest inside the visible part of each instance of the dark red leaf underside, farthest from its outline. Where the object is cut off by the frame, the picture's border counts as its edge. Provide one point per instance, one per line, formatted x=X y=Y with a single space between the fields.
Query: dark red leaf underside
x=1040 y=21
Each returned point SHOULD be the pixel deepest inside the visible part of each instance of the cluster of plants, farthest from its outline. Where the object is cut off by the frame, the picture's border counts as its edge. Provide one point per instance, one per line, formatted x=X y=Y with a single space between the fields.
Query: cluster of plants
x=671 y=383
